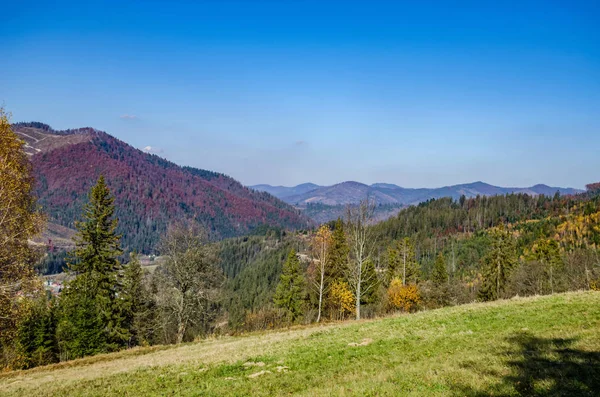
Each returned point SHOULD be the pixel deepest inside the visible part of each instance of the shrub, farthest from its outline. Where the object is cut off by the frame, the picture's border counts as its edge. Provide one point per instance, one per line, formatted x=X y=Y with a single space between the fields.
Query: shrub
x=403 y=297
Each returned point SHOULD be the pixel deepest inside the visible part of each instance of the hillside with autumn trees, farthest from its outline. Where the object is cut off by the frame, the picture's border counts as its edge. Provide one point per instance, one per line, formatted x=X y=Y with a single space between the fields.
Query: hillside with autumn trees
x=150 y=191
x=440 y=253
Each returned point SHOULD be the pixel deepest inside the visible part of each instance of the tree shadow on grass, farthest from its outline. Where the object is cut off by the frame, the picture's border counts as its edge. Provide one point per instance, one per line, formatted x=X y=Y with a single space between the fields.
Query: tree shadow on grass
x=545 y=367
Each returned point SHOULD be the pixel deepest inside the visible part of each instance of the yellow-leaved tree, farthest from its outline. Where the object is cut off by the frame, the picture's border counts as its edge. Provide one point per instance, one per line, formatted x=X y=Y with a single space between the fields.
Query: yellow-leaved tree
x=19 y=222
x=341 y=300
x=403 y=297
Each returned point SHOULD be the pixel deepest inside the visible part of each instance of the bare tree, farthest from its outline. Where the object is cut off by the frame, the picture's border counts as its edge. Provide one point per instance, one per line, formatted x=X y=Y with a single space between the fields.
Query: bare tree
x=361 y=245
x=188 y=281
x=320 y=246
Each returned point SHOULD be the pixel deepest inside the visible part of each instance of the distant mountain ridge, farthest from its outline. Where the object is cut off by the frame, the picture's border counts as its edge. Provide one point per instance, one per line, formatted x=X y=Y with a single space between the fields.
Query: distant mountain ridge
x=150 y=192
x=284 y=191
x=351 y=192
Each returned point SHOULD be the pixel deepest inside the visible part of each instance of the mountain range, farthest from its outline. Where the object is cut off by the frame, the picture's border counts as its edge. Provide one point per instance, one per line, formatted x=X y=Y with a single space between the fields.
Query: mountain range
x=150 y=192
x=323 y=203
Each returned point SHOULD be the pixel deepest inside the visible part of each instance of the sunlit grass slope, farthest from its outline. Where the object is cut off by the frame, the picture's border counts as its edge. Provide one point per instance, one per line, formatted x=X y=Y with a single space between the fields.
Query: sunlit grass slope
x=533 y=346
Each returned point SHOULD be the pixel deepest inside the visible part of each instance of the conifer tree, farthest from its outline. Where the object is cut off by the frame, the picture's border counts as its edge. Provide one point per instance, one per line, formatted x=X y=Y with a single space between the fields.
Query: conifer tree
x=439 y=276
x=370 y=283
x=37 y=334
x=290 y=291
x=440 y=272
x=338 y=253
x=547 y=252
x=498 y=263
x=133 y=301
x=392 y=265
x=91 y=300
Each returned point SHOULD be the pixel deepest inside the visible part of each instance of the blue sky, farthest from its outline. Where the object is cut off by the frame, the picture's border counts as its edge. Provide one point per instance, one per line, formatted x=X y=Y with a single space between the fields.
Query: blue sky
x=420 y=94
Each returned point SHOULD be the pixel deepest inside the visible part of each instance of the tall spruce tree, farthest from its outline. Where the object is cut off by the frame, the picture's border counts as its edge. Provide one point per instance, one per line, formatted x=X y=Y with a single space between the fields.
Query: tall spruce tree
x=37 y=334
x=290 y=291
x=440 y=271
x=440 y=279
x=133 y=301
x=547 y=252
x=392 y=265
x=498 y=263
x=91 y=302
x=338 y=253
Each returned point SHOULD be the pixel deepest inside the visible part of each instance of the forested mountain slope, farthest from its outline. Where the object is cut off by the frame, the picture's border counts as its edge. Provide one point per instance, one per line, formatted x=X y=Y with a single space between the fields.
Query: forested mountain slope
x=150 y=191
x=552 y=243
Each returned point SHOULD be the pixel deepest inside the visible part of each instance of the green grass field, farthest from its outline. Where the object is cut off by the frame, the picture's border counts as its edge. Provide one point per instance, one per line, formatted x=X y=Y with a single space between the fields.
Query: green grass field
x=529 y=346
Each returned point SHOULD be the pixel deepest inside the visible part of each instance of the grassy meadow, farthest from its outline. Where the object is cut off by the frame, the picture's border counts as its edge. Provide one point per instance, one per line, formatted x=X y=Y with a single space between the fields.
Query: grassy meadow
x=546 y=345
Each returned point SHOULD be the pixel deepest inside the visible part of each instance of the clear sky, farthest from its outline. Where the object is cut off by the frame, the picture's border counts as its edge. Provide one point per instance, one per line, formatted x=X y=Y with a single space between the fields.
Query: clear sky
x=419 y=93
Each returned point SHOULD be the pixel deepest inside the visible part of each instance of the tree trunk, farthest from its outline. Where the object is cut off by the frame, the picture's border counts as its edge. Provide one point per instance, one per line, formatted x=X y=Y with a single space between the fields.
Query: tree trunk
x=587 y=277
x=180 y=332
x=498 y=282
x=321 y=295
x=358 y=282
x=551 y=281
x=404 y=271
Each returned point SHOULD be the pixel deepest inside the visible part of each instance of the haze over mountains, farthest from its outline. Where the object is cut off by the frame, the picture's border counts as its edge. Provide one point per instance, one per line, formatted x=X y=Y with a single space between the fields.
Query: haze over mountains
x=150 y=192
x=389 y=194
x=323 y=203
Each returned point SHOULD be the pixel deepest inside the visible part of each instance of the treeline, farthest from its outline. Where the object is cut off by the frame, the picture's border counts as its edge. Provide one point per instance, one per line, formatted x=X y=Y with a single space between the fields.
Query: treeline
x=45 y=127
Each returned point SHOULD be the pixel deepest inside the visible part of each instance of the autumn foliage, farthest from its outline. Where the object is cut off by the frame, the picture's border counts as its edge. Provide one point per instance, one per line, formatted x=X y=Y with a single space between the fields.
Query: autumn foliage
x=150 y=192
x=341 y=300
x=19 y=221
x=403 y=297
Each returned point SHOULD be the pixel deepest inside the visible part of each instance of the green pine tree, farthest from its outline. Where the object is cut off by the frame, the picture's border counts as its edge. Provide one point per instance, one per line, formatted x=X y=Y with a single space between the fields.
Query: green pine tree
x=440 y=271
x=81 y=331
x=392 y=265
x=498 y=263
x=547 y=252
x=440 y=280
x=37 y=334
x=290 y=291
x=338 y=253
x=370 y=283
x=92 y=299
x=133 y=301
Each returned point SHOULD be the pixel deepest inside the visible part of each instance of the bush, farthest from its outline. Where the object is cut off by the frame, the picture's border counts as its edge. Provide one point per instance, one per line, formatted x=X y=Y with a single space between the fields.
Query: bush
x=403 y=297
x=264 y=318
